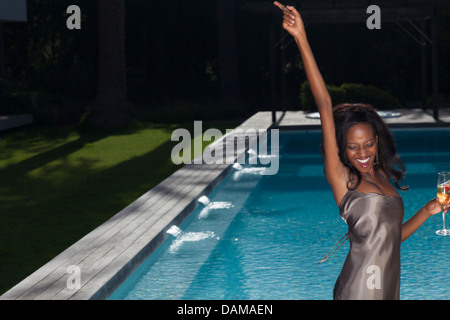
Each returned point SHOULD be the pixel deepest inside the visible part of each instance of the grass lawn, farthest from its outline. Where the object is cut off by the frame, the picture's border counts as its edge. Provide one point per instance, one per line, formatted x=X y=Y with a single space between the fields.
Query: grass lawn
x=58 y=184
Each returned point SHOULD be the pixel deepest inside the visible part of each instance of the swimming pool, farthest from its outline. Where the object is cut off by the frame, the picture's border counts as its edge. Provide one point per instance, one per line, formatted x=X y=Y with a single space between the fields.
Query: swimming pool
x=263 y=235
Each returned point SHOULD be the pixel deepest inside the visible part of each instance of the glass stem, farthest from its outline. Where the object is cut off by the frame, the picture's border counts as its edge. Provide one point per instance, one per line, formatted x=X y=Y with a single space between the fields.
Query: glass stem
x=443 y=219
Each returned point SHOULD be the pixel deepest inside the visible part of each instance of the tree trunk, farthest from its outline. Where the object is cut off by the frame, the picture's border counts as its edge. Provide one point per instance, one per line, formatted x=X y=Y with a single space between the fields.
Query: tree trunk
x=228 y=61
x=111 y=107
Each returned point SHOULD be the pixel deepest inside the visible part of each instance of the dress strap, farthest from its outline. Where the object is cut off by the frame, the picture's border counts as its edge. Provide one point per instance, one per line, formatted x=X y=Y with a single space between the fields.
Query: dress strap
x=341 y=241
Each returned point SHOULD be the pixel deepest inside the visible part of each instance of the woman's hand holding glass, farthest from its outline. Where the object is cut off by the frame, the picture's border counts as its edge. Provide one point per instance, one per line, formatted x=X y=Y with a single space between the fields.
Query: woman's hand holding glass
x=443 y=197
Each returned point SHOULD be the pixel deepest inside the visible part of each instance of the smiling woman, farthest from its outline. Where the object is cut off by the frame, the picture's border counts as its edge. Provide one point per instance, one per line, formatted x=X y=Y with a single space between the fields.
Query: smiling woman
x=353 y=136
x=361 y=140
x=365 y=143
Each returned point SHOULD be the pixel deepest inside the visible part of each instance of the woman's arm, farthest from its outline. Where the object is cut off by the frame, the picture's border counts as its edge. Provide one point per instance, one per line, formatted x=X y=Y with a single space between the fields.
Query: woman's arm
x=431 y=208
x=335 y=171
x=293 y=23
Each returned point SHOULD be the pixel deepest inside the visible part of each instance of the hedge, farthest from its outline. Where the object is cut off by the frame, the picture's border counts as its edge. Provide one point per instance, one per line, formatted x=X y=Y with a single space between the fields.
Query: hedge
x=351 y=93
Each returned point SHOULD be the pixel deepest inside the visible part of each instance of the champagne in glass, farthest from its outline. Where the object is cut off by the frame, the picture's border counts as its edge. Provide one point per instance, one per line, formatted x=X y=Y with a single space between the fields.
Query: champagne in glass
x=443 y=195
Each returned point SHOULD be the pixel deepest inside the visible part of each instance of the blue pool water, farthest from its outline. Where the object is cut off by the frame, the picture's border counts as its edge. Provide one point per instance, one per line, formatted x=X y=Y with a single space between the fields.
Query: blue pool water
x=268 y=243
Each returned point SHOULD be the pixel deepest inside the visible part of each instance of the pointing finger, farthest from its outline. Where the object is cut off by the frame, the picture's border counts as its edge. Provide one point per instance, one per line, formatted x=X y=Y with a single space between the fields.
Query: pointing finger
x=279 y=5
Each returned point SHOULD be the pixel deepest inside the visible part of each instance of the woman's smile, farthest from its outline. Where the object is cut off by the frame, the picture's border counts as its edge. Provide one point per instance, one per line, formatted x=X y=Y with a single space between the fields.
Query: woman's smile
x=364 y=163
x=361 y=146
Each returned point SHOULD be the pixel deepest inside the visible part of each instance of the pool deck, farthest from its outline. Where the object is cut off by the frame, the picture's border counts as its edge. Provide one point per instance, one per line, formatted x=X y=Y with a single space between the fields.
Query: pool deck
x=411 y=118
x=10 y=122
x=110 y=253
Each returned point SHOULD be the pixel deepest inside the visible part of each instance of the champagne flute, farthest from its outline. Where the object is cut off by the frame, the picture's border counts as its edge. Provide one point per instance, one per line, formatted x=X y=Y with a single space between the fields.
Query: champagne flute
x=443 y=195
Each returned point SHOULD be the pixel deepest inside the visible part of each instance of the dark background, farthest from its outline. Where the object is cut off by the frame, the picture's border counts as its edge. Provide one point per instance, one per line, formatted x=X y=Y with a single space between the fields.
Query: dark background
x=172 y=60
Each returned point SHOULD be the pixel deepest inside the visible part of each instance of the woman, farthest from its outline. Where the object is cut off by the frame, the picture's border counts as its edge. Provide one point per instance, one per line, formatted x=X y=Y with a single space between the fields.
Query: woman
x=359 y=160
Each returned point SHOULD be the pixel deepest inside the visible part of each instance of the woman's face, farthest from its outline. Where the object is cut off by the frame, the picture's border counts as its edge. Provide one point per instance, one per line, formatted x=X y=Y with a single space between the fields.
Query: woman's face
x=362 y=144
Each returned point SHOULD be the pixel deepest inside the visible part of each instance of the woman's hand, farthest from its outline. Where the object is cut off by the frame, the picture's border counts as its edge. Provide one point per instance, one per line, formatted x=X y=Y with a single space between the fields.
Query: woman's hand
x=433 y=207
x=292 y=21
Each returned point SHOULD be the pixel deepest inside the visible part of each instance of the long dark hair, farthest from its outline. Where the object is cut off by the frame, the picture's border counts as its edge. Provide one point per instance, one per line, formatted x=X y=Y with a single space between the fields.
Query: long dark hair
x=347 y=115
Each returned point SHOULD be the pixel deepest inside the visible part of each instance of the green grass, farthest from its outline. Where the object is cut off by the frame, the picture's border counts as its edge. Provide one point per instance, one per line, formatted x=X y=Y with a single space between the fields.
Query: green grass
x=58 y=184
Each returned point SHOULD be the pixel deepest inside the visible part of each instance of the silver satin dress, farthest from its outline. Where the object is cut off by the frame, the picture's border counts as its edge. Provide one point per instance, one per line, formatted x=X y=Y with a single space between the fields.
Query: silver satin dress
x=371 y=270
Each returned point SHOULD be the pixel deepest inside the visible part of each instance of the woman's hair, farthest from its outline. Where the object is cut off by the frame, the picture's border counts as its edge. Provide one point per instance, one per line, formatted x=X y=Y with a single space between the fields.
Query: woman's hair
x=347 y=115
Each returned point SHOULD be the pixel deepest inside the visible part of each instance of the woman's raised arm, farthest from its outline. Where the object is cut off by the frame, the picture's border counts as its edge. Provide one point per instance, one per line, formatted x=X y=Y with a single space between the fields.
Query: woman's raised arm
x=335 y=171
x=293 y=23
